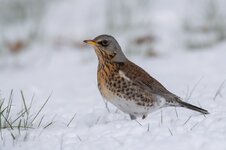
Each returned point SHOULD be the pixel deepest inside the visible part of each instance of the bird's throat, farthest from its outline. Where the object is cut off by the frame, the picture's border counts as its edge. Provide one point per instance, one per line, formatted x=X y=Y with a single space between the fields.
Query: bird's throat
x=104 y=56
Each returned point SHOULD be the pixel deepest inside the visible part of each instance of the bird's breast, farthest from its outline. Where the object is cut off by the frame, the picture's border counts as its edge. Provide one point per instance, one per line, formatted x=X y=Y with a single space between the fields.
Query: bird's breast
x=106 y=76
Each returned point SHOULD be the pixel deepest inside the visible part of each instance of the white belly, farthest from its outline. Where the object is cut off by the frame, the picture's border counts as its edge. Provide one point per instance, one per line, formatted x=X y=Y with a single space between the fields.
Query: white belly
x=130 y=106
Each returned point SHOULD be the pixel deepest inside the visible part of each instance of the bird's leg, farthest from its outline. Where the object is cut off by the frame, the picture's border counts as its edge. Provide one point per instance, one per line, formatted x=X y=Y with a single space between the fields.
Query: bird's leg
x=132 y=117
x=144 y=116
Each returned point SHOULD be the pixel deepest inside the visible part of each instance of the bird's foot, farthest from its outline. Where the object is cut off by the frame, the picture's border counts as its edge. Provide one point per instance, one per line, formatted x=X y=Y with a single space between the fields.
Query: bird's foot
x=132 y=117
x=144 y=116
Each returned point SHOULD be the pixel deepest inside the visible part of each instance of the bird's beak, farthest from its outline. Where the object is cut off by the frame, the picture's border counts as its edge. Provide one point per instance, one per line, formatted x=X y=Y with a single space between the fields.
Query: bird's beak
x=90 y=42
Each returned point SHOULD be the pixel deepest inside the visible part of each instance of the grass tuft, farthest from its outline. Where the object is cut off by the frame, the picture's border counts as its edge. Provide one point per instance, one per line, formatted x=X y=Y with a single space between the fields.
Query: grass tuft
x=23 y=120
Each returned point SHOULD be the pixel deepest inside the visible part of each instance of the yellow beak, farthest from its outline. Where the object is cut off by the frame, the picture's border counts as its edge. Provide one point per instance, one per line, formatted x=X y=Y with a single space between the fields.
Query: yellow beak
x=90 y=42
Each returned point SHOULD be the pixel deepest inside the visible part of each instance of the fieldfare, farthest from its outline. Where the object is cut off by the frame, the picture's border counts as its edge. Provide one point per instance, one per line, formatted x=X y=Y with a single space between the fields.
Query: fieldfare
x=126 y=85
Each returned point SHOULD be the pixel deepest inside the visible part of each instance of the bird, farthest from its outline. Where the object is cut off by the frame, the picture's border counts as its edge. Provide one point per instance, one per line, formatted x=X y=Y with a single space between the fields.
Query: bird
x=127 y=86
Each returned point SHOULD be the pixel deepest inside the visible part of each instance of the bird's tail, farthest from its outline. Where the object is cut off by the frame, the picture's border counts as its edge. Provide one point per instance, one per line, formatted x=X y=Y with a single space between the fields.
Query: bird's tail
x=176 y=101
x=192 y=107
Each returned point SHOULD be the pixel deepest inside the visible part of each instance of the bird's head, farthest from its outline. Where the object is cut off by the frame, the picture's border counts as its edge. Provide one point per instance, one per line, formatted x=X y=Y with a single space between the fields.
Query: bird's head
x=107 y=48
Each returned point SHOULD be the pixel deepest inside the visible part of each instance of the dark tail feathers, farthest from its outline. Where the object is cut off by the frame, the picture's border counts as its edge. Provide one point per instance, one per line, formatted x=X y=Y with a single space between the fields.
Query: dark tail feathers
x=192 y=107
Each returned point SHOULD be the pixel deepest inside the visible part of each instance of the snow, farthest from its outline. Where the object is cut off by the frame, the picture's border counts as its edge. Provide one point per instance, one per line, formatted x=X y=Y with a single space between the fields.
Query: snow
x=72 y=79
x=68 y=74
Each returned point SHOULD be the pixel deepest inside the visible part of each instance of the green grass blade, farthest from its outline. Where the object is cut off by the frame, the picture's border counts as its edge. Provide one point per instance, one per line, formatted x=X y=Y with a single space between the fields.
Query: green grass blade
x=19 y=117
x=40 y=110
x=40 y=122
x=7 y=122
x=71 y=120
x=24 y=102
x=9 y=106
x=48 y=125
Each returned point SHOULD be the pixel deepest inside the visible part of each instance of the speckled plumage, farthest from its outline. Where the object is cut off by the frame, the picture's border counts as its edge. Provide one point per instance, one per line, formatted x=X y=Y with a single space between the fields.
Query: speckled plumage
x=126 y=85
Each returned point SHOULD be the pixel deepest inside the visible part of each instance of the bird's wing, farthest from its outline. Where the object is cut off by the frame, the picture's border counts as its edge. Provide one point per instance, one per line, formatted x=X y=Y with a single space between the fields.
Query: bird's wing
x=142 y=79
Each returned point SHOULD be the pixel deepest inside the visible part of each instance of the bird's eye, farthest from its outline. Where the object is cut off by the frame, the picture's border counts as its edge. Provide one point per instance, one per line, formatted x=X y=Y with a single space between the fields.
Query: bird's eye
x=104 y=43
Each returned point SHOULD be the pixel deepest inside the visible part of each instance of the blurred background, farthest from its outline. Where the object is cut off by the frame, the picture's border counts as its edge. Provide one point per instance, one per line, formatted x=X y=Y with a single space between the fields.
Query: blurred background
x=148 y=28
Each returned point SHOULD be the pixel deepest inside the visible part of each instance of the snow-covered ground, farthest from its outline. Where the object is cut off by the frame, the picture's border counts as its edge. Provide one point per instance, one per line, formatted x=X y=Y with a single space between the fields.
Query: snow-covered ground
x=69 y=75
